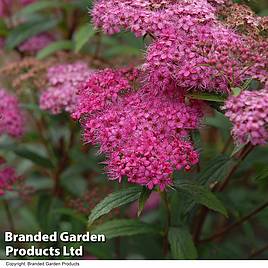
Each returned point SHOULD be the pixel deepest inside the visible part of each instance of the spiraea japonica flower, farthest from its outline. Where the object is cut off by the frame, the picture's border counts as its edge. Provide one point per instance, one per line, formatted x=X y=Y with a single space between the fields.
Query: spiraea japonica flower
x=8 y=178
x=191 y=47
x=150 y=16
x=212 y=58
x=144 y=136
x=36 y=43
x=12 y=118
x=64 y=80
x=103 y=88
x=249 y=114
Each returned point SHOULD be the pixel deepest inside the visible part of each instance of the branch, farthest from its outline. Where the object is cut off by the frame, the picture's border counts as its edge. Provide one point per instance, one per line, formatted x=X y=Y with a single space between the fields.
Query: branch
x=236 y=224
x=258 y=252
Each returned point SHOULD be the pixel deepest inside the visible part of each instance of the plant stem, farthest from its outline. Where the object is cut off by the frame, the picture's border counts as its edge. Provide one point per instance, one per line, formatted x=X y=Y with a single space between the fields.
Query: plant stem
x=242 y=157
x=258 y=252
x=220 y=188
x=9 y=216
x=236 y=224
x=165 y=238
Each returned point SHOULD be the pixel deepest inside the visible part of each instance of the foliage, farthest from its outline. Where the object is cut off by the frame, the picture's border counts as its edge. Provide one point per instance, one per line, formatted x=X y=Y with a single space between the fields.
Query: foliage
x=207 y=210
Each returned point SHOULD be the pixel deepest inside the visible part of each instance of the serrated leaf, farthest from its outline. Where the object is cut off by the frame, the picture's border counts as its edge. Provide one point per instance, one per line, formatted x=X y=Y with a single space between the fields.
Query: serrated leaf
x=54 y=47
x=145 y=194
x=82 y=36
x=202 y=195
x=29 y=29
x=34 y=157
x=116 y=228
x=114 y=200
x=215 y=170
x=206 y=96
x=181 y=243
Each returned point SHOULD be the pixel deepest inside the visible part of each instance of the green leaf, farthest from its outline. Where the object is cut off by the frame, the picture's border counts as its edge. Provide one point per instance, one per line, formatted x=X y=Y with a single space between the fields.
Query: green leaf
x=239 y=147
x=82 y=36
x=207 y=96
x=236 y=91
x=41 y=6
x=202 y=195
x=3 y=28
x=145 y=194
x=34 y=157
x=181 y=243
x=114 y=200
x=262 y=175
x=215 y=170
x=70 y=212
x=29 y=29
x=54 y=47
x=116 y=228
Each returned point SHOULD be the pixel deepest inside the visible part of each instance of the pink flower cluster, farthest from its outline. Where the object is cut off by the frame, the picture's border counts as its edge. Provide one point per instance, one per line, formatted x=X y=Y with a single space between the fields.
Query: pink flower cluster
x=143 y=135
x=64 y=80
x=212 y=58
x=12 y=118
x=190 y=46
x=249 y=114
x=150 y=16
x=7 y=179
x=104 y=88
x=36 y=43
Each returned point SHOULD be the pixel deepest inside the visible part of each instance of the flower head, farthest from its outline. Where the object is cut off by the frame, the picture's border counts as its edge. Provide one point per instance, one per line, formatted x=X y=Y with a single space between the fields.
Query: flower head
x=11 y=117
x=149 y=16
x=64 y=82
x=212 y=58
x=36 y=43
x=249 y=114
x=7 y=179
x=144 y=136
x=104 y=88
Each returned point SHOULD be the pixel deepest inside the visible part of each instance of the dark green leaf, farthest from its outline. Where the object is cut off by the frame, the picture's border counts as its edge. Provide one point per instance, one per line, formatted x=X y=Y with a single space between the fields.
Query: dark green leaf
x=262 y=175
x=114 y=200
x=215 y=170
x=82 y=36
x=202 y=195
x=71 y=213
x=29 y=29
x=181 y=243
x=145 y=194
x=34 y=157
x=54 y=47
x=116 y=228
